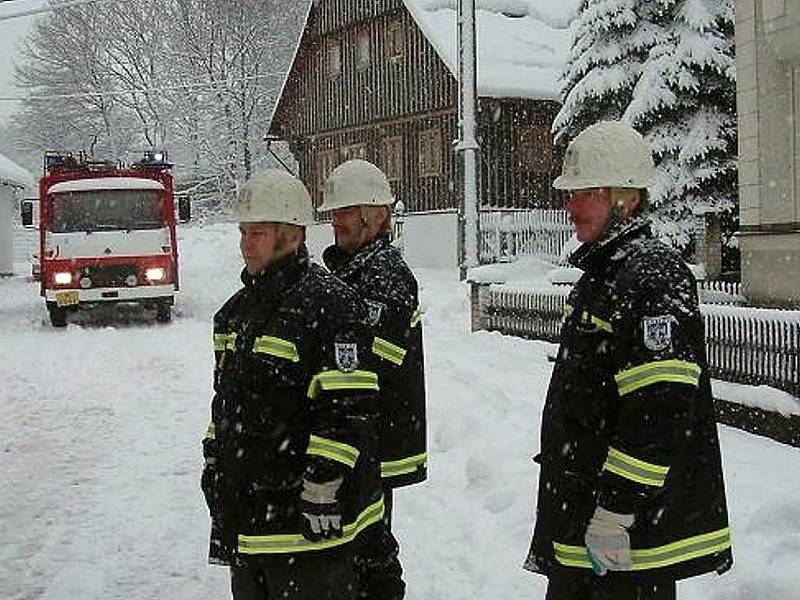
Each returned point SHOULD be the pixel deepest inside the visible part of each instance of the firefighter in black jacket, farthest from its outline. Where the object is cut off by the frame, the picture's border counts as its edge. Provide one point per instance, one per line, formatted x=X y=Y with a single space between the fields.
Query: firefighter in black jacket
x=359 y=196
x=291 y=476
x=631 y=494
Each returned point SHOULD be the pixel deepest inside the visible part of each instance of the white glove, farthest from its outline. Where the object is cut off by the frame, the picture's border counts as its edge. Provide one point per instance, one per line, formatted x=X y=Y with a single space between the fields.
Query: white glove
x=607 y=541
x=321 y=510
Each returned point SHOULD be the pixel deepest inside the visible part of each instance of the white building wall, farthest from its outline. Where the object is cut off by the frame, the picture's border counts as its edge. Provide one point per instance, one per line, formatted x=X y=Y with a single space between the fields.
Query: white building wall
x=6 y=230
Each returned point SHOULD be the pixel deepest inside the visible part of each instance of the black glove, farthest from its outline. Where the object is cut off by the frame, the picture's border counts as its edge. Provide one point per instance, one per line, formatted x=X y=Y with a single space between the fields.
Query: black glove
x=322 y=514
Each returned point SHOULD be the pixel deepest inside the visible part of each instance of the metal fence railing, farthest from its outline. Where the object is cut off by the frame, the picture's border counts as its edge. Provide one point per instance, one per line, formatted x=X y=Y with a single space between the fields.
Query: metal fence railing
x=744 y=344
x=512 y=233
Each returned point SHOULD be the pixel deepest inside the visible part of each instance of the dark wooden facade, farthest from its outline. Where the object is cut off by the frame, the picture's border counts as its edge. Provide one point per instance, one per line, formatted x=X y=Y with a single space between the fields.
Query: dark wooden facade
x=366 y=83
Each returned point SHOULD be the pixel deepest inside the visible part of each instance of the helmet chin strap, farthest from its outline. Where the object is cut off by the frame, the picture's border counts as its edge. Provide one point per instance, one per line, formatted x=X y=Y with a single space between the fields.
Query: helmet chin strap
x=615 y=215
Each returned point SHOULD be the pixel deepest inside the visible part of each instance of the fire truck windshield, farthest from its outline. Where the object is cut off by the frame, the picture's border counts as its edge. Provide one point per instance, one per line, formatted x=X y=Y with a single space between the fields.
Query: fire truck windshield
x=106 y=210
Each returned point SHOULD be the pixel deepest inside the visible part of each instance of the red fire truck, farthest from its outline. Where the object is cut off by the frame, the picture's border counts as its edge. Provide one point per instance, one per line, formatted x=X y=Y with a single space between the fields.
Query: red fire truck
x=106 y=234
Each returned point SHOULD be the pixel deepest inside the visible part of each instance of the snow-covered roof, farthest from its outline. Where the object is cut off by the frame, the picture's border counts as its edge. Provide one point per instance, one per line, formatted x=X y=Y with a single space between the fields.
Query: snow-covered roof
x=106 y=183
x=522 y=44
x=12 y=174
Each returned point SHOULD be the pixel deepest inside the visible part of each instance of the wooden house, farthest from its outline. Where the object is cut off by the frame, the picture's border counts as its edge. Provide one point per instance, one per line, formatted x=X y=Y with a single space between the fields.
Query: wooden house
x=376 y=79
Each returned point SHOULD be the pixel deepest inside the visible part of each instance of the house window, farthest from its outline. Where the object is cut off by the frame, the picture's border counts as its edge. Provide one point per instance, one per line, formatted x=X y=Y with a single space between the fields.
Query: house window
x=363 y=43
x=392 y=155
x=334 y=58
x=396 y=39
x=430 y=152
x=355 y=151
x=326 y=162
x=534 y=148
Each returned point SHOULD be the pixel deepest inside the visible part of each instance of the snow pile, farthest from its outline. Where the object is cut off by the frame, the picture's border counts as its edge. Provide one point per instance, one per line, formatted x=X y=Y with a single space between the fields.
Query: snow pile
x=522 y=44
x=100 y=429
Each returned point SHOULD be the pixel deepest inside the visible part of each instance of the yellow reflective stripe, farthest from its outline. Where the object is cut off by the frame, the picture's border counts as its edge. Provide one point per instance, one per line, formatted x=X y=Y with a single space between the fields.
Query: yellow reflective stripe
x=682 y=550
x=295 y=542
x=388 y=350
x=276 y=347
x=339 y=380
x=416 y=317
x=634 y=469
x=571 y=556
x=338 y=451
x=677 y=371
x=597 y=322
x=654 y=558
x=211 y=431
x=393 y=468
x=568 y=310
x=224 y=341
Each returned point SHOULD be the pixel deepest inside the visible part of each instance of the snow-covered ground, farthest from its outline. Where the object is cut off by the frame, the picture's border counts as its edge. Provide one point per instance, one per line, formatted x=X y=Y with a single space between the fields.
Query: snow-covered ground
x=100 y=428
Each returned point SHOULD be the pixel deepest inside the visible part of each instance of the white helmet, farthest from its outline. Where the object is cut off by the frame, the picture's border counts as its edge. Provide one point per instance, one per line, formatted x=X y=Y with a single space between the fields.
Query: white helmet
x=356 y=183
x=274 y=196
x=607 y=154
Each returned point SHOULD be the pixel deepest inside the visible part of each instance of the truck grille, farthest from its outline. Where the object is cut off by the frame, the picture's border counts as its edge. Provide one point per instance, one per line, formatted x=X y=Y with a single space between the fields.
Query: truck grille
x=109 y=276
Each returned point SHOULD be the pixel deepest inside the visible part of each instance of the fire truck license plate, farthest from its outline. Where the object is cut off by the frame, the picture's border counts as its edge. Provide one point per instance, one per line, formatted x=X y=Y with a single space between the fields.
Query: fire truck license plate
x=67 y=298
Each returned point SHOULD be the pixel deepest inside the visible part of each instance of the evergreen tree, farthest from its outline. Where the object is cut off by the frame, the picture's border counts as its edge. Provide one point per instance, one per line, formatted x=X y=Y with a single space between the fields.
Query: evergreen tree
x=685 y=105
x=609 y=48
x=667 y=67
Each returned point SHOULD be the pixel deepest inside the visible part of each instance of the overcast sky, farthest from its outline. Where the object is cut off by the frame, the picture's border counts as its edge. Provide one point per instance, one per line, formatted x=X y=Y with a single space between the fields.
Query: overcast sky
x=12 y=33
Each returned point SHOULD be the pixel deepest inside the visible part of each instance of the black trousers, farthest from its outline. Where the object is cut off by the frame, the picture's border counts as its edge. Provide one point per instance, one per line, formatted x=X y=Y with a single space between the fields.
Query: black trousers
x=323 y=575
x=583 y=585
x=379 y=575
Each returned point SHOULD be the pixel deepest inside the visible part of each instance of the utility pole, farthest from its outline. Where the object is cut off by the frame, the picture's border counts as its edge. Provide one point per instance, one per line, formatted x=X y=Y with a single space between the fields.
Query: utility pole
x=468 y=143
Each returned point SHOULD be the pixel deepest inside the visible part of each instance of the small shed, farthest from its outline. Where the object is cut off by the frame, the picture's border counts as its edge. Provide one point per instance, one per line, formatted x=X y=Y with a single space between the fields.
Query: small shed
x=13 y=180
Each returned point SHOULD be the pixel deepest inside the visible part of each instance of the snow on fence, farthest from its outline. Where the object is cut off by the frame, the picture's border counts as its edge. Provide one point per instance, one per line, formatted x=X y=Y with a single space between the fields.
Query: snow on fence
x=721 y=292
x=511 y=233
x=744 y=344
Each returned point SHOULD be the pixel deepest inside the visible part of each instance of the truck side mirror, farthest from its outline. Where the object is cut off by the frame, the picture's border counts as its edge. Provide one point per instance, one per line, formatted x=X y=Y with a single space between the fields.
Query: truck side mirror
x=27 y=213
x=184 y=209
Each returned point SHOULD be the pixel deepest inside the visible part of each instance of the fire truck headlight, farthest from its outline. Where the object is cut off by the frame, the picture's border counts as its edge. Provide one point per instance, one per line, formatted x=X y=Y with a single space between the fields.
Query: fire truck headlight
x=63 y=278
x=131 y=280
x=155 y=274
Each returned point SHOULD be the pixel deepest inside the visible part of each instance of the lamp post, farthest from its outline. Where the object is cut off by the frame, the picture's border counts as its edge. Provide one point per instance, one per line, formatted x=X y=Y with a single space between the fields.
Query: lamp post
x=468 y=143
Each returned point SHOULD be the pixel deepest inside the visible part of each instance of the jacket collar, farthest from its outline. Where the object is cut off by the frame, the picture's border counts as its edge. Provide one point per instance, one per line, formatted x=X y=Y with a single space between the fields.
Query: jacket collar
x=594 y=255
x=278 y=277
x=341 y=263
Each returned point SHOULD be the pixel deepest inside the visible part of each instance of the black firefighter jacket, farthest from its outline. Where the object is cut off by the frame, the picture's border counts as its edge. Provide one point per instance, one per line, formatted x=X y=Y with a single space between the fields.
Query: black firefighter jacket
x=291 y=395
x=379 y=275
x=628 y=421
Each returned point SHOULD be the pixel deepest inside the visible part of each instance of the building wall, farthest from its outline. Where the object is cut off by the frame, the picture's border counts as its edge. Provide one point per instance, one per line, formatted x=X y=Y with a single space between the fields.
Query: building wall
x=6 y=229
x=404 y=92
x=768 y=102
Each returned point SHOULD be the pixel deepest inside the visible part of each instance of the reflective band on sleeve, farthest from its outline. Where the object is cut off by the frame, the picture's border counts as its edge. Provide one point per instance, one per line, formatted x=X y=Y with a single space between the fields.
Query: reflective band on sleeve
x=295 y=542
x=224 y=341
x=338 y=451
x=388 y=350
x=634 y=469
x=339 y=380
x=211 y=431
x=416 y=317
x=568 y=310
x=276 y=347
x=654 y=558
x=393 y=468
x=676 y=371
x=597 y=322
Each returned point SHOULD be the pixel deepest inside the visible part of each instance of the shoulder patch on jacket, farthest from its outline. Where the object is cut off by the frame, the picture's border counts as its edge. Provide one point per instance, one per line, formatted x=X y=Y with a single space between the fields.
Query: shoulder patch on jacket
x=346 y=356
x=374 y=312
x=657 y=332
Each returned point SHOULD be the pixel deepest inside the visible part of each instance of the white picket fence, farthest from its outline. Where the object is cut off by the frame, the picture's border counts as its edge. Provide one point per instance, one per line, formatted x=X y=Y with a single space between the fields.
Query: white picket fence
x=744 y=344
x=507 y=234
